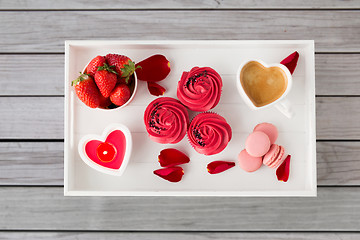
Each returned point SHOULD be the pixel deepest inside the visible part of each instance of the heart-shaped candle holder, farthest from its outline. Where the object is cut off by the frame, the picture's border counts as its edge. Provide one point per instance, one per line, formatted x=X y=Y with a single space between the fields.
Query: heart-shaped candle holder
x=261 y=85
x=109 y=153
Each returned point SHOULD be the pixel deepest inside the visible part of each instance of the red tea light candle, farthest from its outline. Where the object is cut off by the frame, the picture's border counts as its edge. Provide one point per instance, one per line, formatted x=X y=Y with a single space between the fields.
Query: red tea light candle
x=106 y=152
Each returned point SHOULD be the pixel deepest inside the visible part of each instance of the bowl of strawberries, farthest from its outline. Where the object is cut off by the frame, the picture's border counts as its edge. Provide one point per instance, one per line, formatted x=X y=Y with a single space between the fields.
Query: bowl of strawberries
x=107 y=82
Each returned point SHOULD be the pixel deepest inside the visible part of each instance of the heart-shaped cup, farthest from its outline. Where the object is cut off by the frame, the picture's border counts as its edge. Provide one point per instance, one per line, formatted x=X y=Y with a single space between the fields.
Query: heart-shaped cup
x=108 y=153
x=261 y=85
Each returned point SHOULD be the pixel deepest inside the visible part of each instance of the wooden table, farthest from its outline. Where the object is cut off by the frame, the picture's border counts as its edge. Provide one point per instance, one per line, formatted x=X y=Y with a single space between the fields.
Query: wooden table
x=32 y=204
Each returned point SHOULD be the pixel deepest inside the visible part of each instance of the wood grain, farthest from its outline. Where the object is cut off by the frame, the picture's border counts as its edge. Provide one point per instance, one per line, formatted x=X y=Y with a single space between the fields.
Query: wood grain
x=333 y=209
x=32 y=74
x=336 y=74
x=337 y=118
x=46 y=31
x=338 y=163
x=29 y=27
x=175 y=236
x=32 y=117
x=43 y=118
x=41 y=163
x=31 y=163
x=178 y=4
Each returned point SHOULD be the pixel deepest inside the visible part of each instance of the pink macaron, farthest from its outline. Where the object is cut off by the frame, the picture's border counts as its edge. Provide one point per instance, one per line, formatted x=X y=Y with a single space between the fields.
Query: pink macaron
x=257 y=144
x=269 y=129
x=248 y=162
x=275 y=156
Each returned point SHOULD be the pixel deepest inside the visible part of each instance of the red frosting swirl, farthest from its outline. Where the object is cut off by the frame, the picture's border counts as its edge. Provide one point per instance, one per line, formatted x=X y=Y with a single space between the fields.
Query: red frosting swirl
x=209 y=133
x=166 y=120
x=200 y=89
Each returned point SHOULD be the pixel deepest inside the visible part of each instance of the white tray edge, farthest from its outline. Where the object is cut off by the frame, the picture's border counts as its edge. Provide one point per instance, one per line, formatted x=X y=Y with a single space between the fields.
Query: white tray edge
x=306 y=193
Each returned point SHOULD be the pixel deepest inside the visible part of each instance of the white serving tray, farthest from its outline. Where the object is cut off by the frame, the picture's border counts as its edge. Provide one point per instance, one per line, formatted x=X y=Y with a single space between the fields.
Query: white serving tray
x=297 y=135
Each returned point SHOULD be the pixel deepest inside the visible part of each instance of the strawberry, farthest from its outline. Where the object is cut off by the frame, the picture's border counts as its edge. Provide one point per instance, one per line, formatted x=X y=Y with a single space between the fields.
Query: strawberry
x=104 y=102
x=120 y=95
x=105 y=79
x=86 y=90
x=123 y=66
x=92 y=67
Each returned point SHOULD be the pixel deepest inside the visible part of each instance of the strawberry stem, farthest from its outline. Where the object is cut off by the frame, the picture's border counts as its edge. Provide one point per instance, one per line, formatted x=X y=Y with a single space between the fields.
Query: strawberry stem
x=82 y=77
x=128 y=70
x=107 y=68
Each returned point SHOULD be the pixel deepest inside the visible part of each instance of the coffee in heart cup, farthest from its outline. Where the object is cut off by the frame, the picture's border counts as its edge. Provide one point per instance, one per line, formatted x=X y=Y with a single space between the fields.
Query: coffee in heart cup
x=109 y=153
x=261 y=85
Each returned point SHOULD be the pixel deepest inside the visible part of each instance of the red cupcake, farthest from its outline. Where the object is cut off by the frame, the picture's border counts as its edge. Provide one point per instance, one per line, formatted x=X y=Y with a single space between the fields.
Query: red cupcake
x=166 y=120
x=200 y=89
x=209 y=133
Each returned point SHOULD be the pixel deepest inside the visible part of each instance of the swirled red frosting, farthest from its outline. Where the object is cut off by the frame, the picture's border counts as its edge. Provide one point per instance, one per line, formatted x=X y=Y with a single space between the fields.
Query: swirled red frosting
x=200 y=89
x=166 y=120
x=209 y=133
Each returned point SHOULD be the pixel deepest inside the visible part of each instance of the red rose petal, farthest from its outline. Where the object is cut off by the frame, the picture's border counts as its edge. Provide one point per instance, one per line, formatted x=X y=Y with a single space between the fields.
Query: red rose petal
x=153 y=69
x=171 y=157
x=219 y=166
x=155 y=89
x=291 y=61
x=172 y=174
x=283 y=170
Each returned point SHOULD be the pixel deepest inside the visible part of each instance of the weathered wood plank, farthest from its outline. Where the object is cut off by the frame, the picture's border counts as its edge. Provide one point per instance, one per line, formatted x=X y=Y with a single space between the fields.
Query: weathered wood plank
x=336 y=74
x=178 y=4
x=32 y=117
x=43 y=118
x=32 y=74
x=175 y=236
x=338 y=118
x=31 y=163
x=39 y=208
x=333 y=31
x=41 y=163
x=338 y=163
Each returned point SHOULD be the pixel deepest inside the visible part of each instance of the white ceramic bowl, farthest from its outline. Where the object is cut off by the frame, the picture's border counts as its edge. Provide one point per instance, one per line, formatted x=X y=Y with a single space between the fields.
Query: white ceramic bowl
x=135 y=86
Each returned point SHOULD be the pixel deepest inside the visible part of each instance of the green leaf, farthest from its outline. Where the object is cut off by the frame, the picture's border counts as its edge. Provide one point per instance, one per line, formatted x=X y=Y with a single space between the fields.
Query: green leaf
x=82 y=77
x=128 y=70
x=107 y=68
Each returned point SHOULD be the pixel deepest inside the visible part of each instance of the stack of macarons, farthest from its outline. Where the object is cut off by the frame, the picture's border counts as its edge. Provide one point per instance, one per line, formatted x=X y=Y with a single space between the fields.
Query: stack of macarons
x=260 y=148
